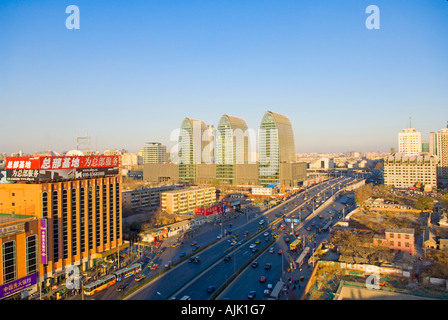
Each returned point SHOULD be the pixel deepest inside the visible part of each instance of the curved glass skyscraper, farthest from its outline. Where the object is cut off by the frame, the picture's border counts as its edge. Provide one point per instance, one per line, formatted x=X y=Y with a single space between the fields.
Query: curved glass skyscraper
x=275 y=146
x=191 y=145
x=232 y=147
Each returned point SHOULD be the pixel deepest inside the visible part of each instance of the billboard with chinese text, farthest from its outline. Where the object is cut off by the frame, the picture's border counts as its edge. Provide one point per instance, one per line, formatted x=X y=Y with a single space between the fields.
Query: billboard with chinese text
x=47 y=169
x=219 y=209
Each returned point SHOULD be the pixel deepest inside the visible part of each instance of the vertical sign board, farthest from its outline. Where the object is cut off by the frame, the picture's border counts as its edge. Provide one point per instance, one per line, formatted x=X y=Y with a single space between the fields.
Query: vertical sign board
x=43 y=241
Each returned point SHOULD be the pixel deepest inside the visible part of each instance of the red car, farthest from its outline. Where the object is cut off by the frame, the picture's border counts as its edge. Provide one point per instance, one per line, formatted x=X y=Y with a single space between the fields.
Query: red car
x=287 y=240
x=280 y=251
x=262 y=279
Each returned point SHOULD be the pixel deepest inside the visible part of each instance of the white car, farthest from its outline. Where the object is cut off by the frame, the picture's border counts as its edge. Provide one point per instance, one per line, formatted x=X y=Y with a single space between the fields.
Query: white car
x=253 y=245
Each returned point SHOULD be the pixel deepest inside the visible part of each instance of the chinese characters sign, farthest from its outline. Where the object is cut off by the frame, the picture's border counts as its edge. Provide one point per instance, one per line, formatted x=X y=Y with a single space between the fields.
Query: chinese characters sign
x=43 y=241
x=45 y=169
x=18 y=285
x=219 y=209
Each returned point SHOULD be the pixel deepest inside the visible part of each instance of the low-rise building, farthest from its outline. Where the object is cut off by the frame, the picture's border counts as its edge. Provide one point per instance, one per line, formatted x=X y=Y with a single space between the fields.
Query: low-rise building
x=399 y=239
x=186 y=200
x=141 y=198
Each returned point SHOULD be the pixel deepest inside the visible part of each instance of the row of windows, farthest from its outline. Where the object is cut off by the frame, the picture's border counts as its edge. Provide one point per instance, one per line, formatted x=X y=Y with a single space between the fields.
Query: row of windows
x=78 y=219
x=9 y=258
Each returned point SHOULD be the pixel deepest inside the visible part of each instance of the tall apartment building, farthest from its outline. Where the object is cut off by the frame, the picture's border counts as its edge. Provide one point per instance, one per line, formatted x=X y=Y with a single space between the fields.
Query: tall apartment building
x=186 y=200
x=439 y=147
x=77 y=201
x=410 y=142
x=403 y=171
x=154 y=152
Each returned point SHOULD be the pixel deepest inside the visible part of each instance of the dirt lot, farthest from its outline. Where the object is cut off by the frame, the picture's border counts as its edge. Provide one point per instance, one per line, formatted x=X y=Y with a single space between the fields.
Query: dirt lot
x=376 y=219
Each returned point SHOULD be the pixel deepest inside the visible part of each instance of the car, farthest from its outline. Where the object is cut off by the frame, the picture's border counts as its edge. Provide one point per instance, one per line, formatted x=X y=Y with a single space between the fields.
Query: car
x=262 y=279
x=254 y=264
x=197 y=259
x=122 y=287
x=182 y=254
x=191 y=259
x=266 y=234
x=140 y=277
x=154 y=266
x=271 y=250
x=280 y=251
x=297 y=233
x=257 y=241
x=227 y=258
x=210 y=289
x=254 y=250
x=252 y=294
x=253 y=245
x=268 y=266
x=308 y=229
x=320 y=216
x=194 y=243
x=261 y=222
x=287 y=240
x=233 y=243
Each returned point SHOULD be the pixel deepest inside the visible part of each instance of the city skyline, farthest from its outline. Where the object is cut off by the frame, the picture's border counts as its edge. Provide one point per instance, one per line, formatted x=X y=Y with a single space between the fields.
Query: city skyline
x=134 y=71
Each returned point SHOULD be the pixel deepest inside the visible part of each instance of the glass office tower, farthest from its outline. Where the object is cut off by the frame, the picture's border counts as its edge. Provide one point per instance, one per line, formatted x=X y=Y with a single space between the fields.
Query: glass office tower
x=275 y=146
x=232 y=147
x=191 y=145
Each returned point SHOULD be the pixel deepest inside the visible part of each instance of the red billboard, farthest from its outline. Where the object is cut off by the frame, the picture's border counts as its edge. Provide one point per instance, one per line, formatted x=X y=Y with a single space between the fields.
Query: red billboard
x=219 y=209
x=45 y=169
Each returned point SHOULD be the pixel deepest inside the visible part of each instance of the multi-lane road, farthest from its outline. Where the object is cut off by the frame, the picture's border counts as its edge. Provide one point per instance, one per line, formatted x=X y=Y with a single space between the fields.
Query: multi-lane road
x=224 y=270
x=225 y=258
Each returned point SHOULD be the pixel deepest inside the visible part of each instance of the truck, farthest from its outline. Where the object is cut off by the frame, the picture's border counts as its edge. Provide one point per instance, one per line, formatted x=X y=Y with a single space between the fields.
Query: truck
x=277 y=289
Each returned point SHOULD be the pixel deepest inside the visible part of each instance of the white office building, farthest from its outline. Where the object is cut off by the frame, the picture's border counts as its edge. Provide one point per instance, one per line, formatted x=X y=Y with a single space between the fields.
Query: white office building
x=410 y=142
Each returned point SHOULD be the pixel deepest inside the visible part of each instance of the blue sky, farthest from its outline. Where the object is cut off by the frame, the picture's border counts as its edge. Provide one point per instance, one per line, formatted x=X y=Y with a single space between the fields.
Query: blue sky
x=135 y=69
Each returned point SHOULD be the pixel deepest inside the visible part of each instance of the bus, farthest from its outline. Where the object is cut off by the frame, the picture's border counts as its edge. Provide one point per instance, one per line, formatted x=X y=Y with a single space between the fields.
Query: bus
x=293 y=246
x=325 y=228
x=100 y=284
x=302 y=256
x=128 y=271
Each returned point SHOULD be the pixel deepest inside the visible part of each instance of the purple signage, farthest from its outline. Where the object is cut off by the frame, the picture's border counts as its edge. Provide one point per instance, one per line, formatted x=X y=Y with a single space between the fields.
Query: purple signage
x=18 y=285
x=43 y=241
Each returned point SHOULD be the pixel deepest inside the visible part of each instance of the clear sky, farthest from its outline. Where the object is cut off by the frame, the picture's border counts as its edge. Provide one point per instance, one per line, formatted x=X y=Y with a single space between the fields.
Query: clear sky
x=135 y=69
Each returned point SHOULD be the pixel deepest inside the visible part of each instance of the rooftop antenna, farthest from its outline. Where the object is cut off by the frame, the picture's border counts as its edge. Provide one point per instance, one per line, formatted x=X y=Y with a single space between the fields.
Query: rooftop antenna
x=410 y=122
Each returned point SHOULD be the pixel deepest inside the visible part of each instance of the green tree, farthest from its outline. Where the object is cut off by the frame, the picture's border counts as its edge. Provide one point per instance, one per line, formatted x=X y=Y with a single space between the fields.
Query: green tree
x=444 y=201
x=424 y=203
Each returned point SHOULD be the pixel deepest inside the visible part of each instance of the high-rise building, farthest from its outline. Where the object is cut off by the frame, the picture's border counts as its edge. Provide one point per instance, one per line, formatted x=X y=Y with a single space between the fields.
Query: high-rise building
x=232 y=147
x=439 y=147
x=275 y=147
x=193 y=139
x=154 y=152
x=77 y=202
x=410 y=142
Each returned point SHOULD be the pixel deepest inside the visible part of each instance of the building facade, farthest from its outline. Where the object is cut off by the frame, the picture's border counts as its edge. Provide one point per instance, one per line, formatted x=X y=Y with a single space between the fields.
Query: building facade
x=83 y=217
x=439 y=147
x=191 y=147
x=232 y=147
x=403 y=171
x=401 y=239
x=154 y=152
x=275 y=146
x=141 y=198
x=410 y=142
x=186 y=200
